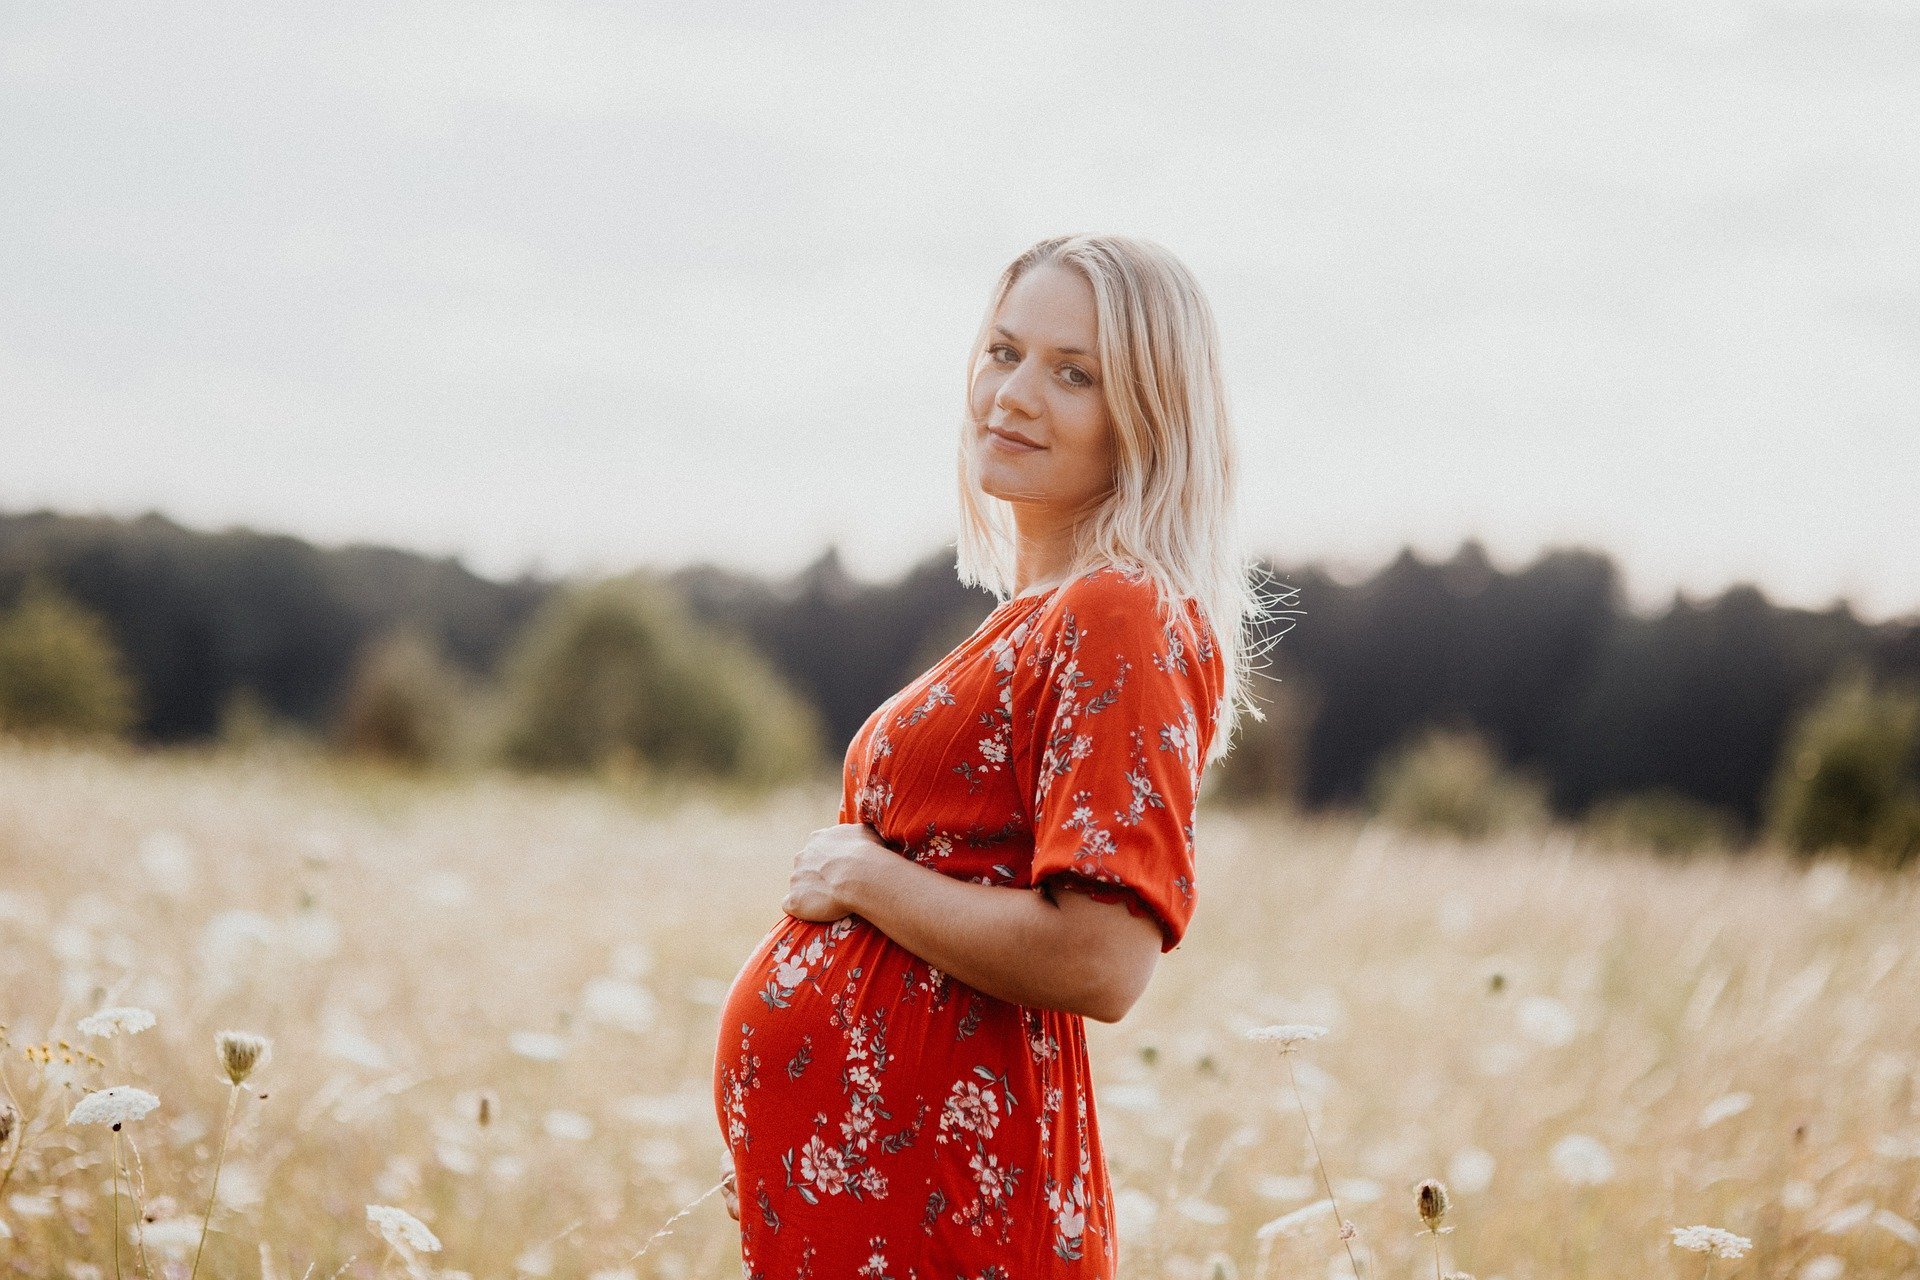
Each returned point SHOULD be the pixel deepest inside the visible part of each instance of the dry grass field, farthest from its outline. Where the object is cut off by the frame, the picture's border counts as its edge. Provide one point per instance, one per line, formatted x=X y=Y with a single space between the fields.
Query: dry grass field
x=1590 y=1048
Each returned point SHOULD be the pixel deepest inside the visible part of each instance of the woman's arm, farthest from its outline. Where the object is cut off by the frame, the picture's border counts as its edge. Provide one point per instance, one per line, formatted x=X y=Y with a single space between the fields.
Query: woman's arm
x=1062 y=950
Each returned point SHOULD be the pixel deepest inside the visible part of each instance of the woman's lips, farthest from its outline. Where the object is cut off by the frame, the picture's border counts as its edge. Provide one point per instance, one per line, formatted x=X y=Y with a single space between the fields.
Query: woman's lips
x=1011 y=442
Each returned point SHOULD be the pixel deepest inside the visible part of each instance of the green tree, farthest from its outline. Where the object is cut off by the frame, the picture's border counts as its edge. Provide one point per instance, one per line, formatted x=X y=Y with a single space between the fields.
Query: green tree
x=1662 y=820
x=402 y=702
x=619 y=672
x=1449 y=781
x=61 y=675
x=1847 y=776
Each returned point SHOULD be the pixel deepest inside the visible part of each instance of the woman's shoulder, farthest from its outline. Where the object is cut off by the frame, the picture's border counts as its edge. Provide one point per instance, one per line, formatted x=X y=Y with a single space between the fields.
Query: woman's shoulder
x=1122 y=599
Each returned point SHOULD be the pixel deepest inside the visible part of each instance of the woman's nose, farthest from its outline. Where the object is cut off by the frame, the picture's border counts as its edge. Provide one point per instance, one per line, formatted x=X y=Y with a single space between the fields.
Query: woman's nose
x=1018 y=394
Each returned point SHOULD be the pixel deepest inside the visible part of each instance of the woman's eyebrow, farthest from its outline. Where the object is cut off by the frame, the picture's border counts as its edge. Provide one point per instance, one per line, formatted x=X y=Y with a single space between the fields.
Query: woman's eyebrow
x=1005 y=332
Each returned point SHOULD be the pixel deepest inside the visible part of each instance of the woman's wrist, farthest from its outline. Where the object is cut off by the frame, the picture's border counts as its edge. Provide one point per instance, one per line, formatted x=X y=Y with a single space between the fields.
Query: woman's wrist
x=863 y=885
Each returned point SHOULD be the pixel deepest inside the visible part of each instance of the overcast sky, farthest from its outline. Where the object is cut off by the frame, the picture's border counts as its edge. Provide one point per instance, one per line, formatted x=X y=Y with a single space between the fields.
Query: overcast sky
x=576 y=286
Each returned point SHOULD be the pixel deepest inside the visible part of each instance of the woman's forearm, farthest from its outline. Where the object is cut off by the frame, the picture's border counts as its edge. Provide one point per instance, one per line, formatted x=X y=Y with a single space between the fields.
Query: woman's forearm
x=1013 y=944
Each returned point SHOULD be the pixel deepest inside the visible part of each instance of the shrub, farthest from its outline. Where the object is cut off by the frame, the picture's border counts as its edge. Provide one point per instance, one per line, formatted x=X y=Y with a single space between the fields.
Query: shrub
x=1268 y=761
x=1450 y=782
x=402 y=702
x=61 y=675
x=1662 y=820
x=1847 y=773
x=619 y=674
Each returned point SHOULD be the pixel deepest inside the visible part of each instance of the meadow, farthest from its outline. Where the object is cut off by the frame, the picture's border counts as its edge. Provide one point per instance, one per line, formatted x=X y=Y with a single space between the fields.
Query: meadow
x=492 y=1000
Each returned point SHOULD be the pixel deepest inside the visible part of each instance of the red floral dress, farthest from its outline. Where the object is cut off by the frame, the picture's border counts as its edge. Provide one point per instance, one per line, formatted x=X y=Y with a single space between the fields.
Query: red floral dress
x=888 y=1121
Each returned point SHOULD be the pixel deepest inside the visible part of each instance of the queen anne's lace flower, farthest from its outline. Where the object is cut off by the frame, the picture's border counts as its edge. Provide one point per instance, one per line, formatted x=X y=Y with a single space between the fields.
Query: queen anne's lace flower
x=111 y=1022
x=1721 y=1244
x=1581 y=1160
x=114 y=1106
x=401 y=1229
x=1288 y=1035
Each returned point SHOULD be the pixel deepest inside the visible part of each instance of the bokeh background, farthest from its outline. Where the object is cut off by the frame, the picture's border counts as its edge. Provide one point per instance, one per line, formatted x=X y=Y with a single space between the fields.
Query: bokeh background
x=427 y=422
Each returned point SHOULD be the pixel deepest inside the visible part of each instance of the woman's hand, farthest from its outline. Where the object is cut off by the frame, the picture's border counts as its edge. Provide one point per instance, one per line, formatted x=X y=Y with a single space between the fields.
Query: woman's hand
x=829 y=870
x=730 y=1195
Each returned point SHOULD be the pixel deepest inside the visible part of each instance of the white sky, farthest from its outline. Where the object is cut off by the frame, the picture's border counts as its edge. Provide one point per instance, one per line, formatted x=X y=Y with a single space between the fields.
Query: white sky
x=577 y=286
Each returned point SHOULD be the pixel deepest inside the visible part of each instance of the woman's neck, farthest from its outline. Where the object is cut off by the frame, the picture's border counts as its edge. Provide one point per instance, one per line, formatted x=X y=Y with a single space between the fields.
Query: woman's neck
x=1042 y=552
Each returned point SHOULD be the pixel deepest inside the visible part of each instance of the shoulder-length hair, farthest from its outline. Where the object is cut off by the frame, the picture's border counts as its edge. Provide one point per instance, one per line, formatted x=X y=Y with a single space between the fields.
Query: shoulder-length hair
x=1172 y=510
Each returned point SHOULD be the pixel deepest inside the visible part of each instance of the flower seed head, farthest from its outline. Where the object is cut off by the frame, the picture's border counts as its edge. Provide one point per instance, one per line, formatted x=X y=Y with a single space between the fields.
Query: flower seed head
x=240 y=1053
x=8 y=1119
x=1434 y=1203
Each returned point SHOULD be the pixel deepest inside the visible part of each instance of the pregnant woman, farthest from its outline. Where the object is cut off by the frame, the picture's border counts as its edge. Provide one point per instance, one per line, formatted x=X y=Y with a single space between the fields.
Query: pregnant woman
x=902 y=1070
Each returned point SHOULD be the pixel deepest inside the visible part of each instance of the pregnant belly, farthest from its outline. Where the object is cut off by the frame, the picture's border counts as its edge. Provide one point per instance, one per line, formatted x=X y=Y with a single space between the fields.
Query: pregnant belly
x=781 y=1011
x=839 y=1020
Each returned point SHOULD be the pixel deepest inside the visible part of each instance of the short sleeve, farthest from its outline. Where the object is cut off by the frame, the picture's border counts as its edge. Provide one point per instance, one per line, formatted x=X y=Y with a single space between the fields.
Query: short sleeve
x=1122 y=704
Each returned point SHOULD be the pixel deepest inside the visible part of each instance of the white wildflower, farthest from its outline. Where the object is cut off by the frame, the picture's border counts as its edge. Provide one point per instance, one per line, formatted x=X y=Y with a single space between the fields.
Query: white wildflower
x=1546 y=1021
x=1844 y=1220
x=567 y=1126
x=1721 y=1244
x=1724 y=1108
x=1894 y=1147
x=1288 y=1035
x=1135 y=1213
x=174 y=1237
x=1132 y=1095
x=1470 y=1170
x=401 y=1229
x=1581 y=1160
x=342 y=1038
x=109 y=1023
x=617 y=1002
x=113 y=1106
x=167 y=862
x=1799 y=1196
x=541 y=1046
x=1822 y=1266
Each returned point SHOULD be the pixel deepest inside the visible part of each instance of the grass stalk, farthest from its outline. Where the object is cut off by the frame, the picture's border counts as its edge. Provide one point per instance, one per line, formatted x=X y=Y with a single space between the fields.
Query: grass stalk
x=213 y=1192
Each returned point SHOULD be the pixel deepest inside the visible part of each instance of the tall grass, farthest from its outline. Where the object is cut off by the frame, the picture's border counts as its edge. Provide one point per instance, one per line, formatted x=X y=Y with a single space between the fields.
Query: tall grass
x=1590 y=1046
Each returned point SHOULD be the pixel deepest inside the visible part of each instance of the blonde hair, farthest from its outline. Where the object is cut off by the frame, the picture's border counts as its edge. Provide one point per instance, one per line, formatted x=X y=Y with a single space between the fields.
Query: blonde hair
x=1172 y=510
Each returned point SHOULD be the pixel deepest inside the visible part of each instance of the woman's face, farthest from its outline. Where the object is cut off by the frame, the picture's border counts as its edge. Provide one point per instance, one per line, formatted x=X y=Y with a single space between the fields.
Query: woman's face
x=1041 y=432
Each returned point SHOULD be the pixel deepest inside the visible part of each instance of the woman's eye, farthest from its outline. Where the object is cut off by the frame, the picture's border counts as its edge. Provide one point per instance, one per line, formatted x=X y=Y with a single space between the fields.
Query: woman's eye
x=995 y=352
x=1078 y=377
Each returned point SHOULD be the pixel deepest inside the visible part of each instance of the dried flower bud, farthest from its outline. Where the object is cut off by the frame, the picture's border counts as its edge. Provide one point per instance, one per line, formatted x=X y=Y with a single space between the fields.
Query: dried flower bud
x=240 y=1053
x=487 y=1106
x=8 y=1119
x=1434 y=1203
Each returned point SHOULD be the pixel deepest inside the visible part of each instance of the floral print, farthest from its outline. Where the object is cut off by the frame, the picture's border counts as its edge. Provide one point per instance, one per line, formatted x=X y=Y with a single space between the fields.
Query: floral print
x=886 y=1120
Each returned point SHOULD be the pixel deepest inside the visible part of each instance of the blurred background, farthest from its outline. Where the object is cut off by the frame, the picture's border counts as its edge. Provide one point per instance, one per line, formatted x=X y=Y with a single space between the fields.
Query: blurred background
x=575 y=387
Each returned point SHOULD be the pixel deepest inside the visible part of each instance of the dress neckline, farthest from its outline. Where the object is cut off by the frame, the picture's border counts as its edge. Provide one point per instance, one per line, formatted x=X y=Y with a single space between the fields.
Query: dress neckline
x=1050 y=592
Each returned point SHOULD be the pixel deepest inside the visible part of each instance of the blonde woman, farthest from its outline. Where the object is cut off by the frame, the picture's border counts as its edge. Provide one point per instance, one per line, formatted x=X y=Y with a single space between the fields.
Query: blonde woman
x=902 y=1068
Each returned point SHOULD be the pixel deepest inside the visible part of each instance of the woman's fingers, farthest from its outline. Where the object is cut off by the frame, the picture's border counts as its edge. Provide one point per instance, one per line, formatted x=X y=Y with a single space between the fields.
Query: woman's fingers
x=730 y=1192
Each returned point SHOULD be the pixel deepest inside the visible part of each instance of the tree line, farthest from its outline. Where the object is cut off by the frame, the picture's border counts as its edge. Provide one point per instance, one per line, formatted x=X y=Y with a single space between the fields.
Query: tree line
x=1440 y=668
